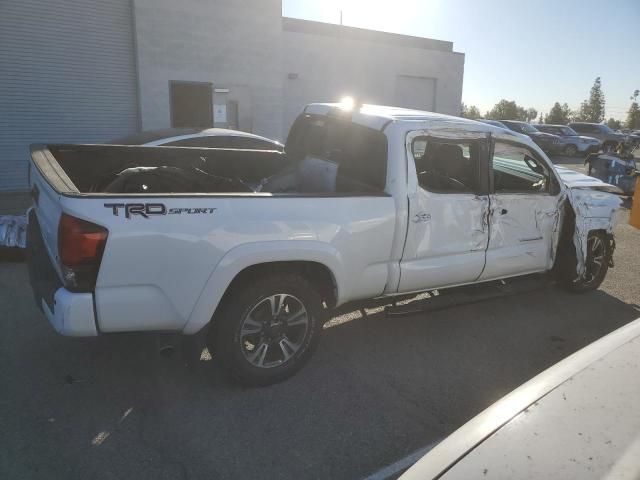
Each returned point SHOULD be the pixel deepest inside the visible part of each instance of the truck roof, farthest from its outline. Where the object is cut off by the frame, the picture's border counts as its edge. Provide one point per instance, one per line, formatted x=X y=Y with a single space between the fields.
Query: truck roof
x=378 y=116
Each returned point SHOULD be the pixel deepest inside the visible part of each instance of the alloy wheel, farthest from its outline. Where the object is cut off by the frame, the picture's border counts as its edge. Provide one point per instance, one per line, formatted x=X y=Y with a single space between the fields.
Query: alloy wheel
x=274 y=330
x=595 y=258
x=571 y=150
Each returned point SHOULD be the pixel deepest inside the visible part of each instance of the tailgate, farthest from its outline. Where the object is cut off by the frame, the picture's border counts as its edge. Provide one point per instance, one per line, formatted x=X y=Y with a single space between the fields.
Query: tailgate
x=42 y=275
x=46 y=205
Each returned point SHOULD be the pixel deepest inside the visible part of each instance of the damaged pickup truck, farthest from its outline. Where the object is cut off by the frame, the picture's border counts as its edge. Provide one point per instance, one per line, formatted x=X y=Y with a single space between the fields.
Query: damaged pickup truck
x=253 y=249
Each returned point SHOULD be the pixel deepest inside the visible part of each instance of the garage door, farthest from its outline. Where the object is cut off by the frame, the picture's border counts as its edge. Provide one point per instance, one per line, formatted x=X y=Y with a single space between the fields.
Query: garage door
x=418 y=93
x=67 y=75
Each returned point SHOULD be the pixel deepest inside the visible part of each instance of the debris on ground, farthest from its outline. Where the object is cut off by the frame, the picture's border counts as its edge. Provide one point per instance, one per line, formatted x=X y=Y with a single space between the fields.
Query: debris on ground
x=13 y=231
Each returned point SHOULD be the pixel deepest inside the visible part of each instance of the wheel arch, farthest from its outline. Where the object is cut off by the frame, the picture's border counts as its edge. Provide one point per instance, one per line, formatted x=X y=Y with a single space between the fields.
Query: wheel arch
x=319 y=262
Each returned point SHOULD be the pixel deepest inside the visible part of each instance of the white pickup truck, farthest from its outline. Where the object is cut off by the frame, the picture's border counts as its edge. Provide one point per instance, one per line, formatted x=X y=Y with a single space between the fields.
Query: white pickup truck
x=255 y=248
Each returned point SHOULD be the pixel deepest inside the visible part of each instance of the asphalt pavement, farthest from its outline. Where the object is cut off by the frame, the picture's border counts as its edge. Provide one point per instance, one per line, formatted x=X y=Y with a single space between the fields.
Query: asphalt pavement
x=378 y=388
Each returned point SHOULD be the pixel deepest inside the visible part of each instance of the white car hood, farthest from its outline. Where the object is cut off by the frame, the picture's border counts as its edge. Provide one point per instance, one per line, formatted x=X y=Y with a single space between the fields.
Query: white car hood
x=573 y=179
x=578 y=419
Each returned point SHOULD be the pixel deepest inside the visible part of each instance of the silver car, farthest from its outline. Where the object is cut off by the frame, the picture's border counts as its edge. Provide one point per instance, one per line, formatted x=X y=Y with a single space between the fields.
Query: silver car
x=573 y=143
x=609 y=138
x=199 y=137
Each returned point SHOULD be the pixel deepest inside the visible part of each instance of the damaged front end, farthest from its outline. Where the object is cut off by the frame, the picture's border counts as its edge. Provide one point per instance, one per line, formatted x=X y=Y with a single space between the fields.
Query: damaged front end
x=594 y=211
x=591 y=207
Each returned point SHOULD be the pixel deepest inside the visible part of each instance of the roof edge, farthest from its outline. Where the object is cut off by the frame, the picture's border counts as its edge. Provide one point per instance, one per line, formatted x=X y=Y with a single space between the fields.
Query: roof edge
x=311 y=27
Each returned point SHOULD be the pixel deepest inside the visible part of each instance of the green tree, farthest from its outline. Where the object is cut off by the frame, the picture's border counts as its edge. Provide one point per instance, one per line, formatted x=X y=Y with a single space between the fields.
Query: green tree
x=510 y=110
x=470 y=111
x=633 y=115
x=505 y=110
x=592 y=109
x=559 y=114
x=614 y=124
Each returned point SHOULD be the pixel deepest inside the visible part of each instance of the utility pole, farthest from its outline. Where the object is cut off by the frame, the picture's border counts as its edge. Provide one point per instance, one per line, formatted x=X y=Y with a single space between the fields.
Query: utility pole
x=341 y=17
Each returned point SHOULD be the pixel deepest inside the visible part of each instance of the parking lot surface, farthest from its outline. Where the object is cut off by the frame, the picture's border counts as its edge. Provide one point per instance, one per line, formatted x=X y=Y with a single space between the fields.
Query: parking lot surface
x=378 y=388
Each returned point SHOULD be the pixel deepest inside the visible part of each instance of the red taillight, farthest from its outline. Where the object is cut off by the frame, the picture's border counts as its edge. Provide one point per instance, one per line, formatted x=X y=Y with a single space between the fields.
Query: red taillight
x=80 y=248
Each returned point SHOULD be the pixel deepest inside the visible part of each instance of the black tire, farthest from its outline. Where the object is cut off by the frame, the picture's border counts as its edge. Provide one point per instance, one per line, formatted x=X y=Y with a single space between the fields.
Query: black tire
x=597 y=263
x=237 y=349
x=571 y=150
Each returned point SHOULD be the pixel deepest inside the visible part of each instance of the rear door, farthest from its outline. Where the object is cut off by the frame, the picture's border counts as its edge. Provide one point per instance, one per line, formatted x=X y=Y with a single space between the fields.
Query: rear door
x=447 y=234
x=524 y=213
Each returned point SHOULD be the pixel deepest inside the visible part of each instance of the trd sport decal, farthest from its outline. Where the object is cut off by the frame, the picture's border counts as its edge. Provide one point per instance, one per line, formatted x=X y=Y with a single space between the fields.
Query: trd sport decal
x=147 y=210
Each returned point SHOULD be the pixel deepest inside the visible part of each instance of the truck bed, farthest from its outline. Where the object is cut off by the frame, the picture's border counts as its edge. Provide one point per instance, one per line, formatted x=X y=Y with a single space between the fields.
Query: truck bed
x=124 y=169
x=81 y=169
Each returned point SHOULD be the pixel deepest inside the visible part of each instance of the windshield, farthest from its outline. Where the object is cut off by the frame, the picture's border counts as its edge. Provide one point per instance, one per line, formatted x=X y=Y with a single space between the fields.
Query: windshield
x=526 y=128
x=568 y=132
x=605 y=129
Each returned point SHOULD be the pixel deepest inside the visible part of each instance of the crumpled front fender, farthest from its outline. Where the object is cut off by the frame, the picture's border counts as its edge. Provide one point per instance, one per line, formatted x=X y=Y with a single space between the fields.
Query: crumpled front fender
x=594 y=210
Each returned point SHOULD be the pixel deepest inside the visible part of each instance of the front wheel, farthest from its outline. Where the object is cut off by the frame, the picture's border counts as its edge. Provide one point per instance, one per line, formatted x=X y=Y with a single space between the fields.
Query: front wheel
x=571 y=150
x=597 y=264
x=268 y=328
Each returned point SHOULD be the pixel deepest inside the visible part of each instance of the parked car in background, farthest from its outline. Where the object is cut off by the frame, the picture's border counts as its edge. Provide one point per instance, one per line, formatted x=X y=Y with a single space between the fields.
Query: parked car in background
x=198 y=137
x=572 y=142
x=579 y=419
x=498 y=124
x=495 y=123
x=632 y=135
x=606 y=135
x=547 y=142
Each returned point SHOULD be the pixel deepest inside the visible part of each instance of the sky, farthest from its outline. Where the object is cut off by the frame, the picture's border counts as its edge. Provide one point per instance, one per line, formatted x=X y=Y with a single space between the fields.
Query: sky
x=534 y=52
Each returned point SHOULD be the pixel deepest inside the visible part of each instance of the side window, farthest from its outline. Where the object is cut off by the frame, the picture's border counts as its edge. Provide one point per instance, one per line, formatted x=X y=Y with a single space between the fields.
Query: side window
x=516 y=170
x=586 y=129
x=446 y=167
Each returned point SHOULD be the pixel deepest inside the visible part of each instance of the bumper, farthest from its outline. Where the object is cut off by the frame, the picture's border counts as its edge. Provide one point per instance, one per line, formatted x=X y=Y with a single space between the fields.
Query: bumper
x=72 y=313
x=589 y=148
x=69 y=313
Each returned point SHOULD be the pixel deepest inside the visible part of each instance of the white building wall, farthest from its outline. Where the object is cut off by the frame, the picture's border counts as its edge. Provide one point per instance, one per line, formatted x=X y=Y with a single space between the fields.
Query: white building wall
x=375 y=67
x=234 y=44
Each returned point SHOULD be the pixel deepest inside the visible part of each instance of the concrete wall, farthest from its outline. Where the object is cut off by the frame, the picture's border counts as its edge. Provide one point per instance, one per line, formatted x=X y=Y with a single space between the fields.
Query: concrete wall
x=323 y=62
x=234 y=44
x=273 y=66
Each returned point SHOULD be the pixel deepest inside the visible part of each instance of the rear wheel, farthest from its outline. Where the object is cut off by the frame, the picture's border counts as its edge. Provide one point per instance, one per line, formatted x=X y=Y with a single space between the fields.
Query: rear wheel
x=268 y=328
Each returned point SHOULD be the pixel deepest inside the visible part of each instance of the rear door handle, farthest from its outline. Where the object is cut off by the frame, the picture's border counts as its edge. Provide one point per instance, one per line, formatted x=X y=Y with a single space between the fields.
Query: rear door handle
x=421 y=217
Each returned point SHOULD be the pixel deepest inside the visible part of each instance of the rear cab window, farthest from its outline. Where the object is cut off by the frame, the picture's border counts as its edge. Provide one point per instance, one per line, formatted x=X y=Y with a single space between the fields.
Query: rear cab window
x=356 y=156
